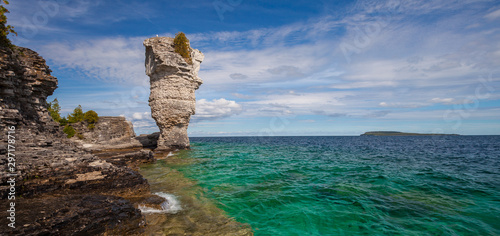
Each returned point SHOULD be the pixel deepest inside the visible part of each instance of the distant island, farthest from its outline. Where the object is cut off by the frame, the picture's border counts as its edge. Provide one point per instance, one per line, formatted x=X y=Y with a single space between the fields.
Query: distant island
x=397 y=133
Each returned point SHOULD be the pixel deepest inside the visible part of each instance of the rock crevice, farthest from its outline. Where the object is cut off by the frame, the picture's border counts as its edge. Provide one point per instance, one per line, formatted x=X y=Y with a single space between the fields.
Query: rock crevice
x=173 y=84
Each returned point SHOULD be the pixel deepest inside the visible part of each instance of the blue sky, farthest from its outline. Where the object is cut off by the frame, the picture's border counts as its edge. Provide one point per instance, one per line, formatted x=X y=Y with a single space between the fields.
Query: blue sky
x=282 y=67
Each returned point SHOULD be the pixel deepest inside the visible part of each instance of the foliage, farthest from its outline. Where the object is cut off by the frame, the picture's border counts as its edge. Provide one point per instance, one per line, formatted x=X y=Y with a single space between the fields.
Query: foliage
x=69 y=131
x=91 y=117
x=76 y=116
x=4 y=28
x=54 y=110
x=63 y=121
x=181 y=46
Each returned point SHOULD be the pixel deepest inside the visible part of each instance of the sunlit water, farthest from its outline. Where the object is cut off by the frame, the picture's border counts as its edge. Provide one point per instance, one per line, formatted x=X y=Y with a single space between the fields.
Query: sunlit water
x=426 y=185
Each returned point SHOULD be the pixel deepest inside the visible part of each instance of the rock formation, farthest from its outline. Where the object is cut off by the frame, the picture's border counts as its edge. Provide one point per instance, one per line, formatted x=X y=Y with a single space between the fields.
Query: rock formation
x=173 y=84
x=110 y=132
x=60 y=189
x=109 y=129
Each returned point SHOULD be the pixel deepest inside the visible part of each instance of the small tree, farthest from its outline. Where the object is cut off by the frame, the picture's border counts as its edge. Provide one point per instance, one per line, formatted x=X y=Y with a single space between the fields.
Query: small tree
x=4 y=28
x=63 y=121
x=91 y=118
x=54 y=110
x=69 y=131
x=76 y=116
x=181 y=46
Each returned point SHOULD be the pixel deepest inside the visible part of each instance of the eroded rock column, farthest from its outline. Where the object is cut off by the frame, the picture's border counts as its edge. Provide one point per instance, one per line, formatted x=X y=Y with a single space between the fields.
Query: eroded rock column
x=173 y=84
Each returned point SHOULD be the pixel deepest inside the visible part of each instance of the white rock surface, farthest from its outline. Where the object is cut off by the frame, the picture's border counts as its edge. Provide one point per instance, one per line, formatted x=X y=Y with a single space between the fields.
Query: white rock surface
x=173 y=84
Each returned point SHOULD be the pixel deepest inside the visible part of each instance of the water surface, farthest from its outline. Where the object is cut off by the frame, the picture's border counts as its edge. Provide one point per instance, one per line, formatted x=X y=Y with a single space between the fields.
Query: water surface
x=425 y=185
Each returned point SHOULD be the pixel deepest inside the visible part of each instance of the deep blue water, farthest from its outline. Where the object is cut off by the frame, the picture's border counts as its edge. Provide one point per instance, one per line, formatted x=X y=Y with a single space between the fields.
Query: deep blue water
x=367 y=185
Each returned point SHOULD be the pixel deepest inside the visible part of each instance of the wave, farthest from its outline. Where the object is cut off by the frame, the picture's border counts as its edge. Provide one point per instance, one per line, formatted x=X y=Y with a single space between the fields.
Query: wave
x=171 y=205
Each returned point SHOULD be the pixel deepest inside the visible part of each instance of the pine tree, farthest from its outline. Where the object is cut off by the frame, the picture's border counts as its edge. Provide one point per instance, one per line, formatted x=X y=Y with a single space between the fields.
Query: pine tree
x=54 y=110
x=181 y=46
x=76 y=116
x=4 y=28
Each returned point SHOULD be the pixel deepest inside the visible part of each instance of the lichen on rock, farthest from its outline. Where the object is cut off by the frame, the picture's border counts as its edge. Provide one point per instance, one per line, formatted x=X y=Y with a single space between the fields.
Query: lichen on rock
x=173 y=84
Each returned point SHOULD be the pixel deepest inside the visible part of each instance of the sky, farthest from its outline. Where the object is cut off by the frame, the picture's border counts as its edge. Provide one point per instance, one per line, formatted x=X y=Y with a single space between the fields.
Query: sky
x=276 y=68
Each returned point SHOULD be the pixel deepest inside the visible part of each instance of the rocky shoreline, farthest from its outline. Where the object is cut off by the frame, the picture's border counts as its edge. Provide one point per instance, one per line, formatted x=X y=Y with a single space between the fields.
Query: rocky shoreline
x=51 y=184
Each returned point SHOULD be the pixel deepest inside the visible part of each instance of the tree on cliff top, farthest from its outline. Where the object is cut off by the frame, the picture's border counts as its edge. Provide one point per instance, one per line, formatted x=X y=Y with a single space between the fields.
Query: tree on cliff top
x=4 y=28
x=91 y=118
x=181 y=46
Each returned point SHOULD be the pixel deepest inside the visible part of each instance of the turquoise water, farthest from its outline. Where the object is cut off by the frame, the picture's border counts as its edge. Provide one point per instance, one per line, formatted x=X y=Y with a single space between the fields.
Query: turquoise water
x=442 y=185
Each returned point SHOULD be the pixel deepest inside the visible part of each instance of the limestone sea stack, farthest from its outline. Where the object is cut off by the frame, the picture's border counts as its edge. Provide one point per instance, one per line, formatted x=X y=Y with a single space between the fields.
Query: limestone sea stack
x=173 y=82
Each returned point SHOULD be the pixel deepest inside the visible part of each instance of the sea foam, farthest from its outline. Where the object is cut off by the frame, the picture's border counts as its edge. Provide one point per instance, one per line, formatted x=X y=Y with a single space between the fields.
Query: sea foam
x=171 y=205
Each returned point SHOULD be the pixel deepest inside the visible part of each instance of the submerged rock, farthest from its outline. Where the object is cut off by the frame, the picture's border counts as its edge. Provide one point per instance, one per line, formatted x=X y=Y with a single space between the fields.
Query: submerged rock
x=173 y=84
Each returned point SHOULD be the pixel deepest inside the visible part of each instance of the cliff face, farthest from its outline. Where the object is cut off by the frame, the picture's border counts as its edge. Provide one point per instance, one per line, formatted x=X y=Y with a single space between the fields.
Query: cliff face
x=110 y=130
x=112 y=133
x=173 y=84
x=26 y=82
x=55 y=182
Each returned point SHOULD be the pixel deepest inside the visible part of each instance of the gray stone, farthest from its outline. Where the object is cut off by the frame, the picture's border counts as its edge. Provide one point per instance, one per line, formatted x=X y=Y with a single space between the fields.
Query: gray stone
x=173 y=84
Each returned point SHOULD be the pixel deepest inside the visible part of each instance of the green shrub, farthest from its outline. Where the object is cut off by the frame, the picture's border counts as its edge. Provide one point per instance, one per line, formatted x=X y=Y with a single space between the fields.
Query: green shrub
x=91 y=117
x=91 y=126
x=79 y=136
x=181 y=46
x=69 y=131
x=63 y=121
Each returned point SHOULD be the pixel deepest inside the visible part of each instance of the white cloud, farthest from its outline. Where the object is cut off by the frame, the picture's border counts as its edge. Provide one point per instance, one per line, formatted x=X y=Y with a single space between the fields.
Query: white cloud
x=443 y=100
x=143 y=122
x=493 y=15
x=140 y=116
x=110 y=59
x=215 y=109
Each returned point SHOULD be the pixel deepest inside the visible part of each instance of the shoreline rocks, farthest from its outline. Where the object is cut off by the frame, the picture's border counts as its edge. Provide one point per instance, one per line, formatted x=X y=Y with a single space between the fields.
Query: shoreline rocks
x=173 y=84
x=59 y=187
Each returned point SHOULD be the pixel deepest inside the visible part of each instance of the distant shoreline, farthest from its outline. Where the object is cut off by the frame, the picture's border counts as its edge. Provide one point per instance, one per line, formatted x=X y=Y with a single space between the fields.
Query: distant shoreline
x=397 y=133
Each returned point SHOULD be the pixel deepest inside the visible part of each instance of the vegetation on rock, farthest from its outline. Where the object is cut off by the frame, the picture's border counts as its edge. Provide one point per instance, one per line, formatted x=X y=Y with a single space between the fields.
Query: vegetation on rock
x=54 y=110
x=181 y=46
x=63 y=121
x=76 y=116
x=69 y=130
x=91 y=118
x=4 y=28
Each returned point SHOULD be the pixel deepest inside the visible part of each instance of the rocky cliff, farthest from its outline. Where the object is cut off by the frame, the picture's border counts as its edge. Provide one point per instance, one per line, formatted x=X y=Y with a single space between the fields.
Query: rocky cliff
x=26 y=82
x=173 y=84
x=110 y=132
x=56 y=187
